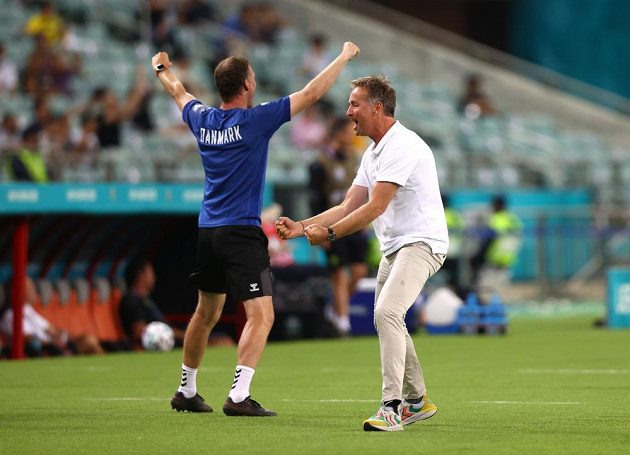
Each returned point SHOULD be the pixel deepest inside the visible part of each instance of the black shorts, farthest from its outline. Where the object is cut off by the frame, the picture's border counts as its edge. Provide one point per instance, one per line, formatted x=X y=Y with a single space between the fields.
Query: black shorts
x=233 y=259
x=351 y=249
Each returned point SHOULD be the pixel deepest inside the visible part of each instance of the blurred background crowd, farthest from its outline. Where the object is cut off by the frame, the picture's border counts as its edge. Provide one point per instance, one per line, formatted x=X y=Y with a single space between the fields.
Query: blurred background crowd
x=534 y=166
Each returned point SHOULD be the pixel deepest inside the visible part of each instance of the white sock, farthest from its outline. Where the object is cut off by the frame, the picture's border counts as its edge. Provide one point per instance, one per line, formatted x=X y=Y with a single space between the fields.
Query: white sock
x=242 y=379
x=344 y=323
x=188 y=386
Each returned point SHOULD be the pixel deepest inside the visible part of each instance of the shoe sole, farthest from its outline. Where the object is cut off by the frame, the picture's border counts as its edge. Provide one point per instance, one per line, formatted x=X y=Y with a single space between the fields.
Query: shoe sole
x=418 y=417
x=233 y=413
x=368 y=427
x=189 y=410
x=184 y=409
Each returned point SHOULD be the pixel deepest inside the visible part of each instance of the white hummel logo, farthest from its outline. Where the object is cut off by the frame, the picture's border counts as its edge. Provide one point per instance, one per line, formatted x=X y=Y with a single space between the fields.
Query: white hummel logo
x=253 y=287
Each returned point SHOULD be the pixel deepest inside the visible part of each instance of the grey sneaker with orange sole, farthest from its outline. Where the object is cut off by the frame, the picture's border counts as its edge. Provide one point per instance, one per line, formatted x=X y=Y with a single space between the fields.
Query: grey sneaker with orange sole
x=247 y=407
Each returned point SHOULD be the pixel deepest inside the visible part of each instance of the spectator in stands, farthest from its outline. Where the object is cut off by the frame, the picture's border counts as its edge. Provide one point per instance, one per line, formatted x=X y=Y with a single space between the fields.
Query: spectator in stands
x=308 y=132
x=10 y=139
x=474 y=103
x=244 y=21
x=317 y=56
x=86 y=141
x=50 y=70
x=55 y=145
x=111 y=113
x=47 y=23
x=232 y=249
x=27 y=164
x=455 y=226
x=85 y=148
x=239 y=29
x=136 y=307
x=66 y=67
x=500 y=242
x=38 y=73
x=8 y=73
x=396 y=189
x=41 y=113
x=269 y=23
x=41 y=337
x=195 y=12
x=163 y=23
x=331 y=174
x=143 y=118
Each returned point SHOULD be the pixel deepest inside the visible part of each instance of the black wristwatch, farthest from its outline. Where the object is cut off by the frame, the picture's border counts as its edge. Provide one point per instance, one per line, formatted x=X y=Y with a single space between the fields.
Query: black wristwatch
x=331 y=235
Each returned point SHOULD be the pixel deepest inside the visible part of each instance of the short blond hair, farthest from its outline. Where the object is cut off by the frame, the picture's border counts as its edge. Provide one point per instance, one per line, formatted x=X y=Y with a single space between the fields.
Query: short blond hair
x=379 y=89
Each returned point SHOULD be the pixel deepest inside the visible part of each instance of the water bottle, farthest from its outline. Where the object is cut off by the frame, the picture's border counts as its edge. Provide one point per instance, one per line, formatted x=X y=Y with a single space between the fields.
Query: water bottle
x=496 y=320
x=468 y=315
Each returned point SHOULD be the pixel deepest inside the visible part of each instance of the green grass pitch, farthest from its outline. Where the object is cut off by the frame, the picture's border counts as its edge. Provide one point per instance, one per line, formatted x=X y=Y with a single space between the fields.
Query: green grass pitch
x=551 y=386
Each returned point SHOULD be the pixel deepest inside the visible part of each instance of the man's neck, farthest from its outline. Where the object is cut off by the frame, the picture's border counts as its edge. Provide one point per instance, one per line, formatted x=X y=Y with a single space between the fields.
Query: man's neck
x=382 y=129
x=240 y=102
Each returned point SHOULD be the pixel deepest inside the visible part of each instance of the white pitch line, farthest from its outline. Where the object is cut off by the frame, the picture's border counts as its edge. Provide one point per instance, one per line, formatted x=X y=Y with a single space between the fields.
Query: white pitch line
x=127 y=399
x=572 y=371
x=286 y=400
x=332 y=401
x=530 y=402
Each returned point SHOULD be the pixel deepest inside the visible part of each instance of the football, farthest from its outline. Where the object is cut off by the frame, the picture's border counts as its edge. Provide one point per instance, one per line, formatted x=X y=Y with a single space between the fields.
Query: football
x=158 y=336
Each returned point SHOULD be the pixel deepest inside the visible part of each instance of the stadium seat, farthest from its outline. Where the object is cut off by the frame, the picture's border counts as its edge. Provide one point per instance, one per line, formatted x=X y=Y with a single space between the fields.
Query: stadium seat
x=104 y=303
x=47 y=303
x=77 y=310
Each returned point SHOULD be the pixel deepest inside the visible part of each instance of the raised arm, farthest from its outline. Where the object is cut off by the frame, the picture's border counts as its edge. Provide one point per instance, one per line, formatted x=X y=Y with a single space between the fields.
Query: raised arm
x=321 y=83
x=173 y=86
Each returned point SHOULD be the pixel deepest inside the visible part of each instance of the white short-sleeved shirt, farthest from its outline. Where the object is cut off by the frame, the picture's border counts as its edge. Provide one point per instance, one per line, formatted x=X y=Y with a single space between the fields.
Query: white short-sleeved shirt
x=33 y=324
x=416 y=213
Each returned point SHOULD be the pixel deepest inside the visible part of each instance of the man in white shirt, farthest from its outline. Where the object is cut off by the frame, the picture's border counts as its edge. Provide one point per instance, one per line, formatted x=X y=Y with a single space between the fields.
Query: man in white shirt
x=8 y=73
x=396 y=189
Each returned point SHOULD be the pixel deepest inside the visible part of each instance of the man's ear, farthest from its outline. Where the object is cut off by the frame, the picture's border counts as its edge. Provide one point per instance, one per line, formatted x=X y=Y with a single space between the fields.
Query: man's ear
x=246 y=85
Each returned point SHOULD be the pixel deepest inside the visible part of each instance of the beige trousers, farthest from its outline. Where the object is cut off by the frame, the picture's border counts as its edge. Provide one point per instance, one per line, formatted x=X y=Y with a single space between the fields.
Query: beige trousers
x=400 y=278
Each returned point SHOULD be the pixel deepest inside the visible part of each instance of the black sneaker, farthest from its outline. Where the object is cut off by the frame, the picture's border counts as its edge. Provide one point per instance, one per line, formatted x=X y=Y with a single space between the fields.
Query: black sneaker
x=193 y=404
x=247 y=407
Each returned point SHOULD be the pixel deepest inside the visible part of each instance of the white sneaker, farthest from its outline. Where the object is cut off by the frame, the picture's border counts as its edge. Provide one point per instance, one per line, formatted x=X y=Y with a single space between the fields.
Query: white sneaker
x=384 y=420
x=410 y=412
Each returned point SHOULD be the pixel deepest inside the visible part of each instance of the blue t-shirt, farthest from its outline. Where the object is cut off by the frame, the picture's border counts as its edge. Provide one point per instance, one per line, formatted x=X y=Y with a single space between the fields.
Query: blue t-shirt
x=234 y=145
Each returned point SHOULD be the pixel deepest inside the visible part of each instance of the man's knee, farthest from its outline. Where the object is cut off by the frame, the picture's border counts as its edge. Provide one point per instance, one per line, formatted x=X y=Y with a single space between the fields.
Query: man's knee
x=263 y=318
x=260 y=312
x=209 y=307
x=386 y=315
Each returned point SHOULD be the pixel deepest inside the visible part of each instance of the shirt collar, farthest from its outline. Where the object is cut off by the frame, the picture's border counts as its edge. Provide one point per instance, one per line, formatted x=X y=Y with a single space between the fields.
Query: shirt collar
x=378 y=148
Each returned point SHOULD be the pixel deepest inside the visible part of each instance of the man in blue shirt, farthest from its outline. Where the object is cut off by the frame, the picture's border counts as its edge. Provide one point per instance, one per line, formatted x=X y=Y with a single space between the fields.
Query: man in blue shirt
x=232 y=253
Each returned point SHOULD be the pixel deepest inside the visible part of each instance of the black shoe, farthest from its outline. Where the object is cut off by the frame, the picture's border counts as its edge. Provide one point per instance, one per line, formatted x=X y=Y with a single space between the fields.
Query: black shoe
x=193 y=404
x=247 y=407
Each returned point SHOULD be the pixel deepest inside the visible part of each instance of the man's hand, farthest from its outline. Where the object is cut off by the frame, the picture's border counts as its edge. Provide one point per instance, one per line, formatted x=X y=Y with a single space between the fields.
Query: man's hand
x=160 y=58
x=315 y=89
x=316 y=234
x=288 y=229
x=169 y=81
x=350 y=50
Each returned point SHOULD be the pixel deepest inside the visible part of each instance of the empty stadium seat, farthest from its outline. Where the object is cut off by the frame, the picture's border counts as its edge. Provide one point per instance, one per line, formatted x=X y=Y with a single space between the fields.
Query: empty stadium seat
x=104 y=303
